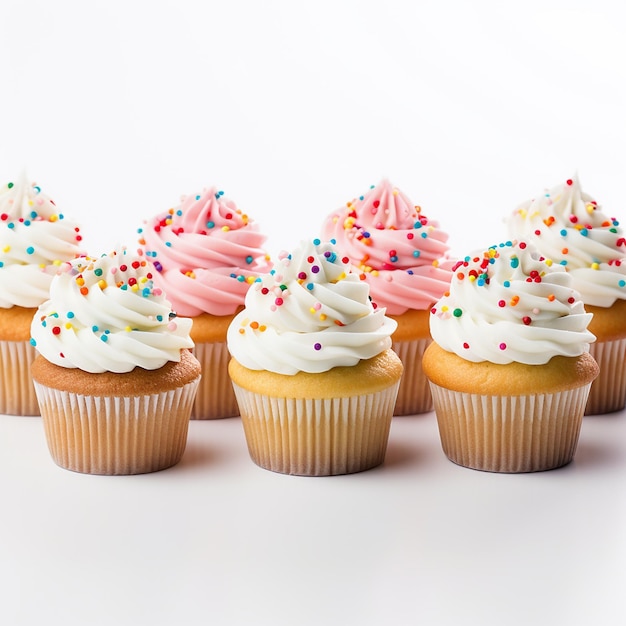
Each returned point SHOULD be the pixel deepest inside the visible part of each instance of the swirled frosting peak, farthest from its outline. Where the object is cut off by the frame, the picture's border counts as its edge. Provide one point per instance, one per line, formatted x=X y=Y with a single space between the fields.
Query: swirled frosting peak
x=35 y=237
x=508 y=304
x=570 y=228
x=398 y=251
x=310 y=313
x=106 y=314
x=206 y=253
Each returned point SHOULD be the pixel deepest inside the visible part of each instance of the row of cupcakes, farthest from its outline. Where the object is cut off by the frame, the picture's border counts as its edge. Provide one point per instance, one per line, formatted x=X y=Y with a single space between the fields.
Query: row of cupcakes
x=206 y=254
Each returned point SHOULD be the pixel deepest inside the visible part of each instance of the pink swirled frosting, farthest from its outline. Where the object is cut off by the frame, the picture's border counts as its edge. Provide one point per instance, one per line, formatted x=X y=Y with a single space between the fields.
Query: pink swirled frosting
x=399 y=251
x=206 y=253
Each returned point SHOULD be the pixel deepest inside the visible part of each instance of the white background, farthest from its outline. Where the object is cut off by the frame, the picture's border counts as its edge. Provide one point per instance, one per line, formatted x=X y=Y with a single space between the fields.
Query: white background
x=117 y=108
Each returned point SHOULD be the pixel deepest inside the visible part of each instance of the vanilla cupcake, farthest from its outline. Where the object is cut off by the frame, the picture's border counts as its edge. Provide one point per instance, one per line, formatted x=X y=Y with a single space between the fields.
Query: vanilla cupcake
x=401 y=254
x=570 y=229
x=206 y=253
x=312 y=368
x=509 y=365
x=115 y=378
x=35 y=237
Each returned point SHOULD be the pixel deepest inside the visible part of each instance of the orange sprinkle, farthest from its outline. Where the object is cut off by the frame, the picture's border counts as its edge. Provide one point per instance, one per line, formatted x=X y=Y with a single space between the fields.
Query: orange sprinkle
x=254 y=325
x=514 y=300
x=565 y=251
x=551 y=297
x=84 y=291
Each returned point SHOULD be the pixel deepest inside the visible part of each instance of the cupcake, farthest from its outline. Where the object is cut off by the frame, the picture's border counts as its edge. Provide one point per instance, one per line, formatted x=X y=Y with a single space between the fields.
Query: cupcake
x=509 y=365
x=206 y=253
x=35 y=238
x=115 y=378
x=570 y=229
x=400 y=253
x=312 y=367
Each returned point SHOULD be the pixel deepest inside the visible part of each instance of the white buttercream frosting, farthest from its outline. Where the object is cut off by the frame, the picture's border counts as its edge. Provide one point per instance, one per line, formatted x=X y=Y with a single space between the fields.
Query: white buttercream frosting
x=570 y=228
x=105 y=314
x=310 y=313
x=508 y=304
x=35 y=237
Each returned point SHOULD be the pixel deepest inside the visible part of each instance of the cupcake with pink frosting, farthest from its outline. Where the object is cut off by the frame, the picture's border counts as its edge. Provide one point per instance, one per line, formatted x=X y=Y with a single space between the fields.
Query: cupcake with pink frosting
x=402 y=255
x=206 y=253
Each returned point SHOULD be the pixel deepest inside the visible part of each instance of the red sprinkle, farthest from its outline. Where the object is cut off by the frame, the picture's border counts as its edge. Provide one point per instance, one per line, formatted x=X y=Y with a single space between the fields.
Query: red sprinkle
x=56 y=330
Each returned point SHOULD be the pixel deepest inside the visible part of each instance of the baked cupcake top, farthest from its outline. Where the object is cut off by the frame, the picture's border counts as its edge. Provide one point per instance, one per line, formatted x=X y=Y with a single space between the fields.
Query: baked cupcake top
x=569 y=228
x=106 y=315
x=206 y=253
x=35 y=237
x=396 y=248
x=508 y=304
x=310 y=313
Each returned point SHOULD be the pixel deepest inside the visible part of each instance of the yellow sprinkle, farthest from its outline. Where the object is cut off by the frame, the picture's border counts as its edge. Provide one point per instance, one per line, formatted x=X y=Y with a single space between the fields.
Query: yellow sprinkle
x=250 y=280
x=135 y=287
x=549 y=262
x=472 y=278
x=323 y=316
x=80 y=281
x=395 y=192
x=53 y=218
x=590 y=208
x=595 y=266
x=375 y=272
x=103 y=284
x=262 y=328
x=56 y=262
x=225 y=228
x=245 y=321
x=128 y=329
x=6 y=248
x=444 y=308
x=68 y=326
x=435 y=263
x=312 y=310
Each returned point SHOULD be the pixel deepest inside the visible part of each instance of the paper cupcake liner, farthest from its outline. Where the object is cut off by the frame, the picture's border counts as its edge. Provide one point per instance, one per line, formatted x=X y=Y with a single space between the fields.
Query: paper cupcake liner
x=17 y=393
x=510 y=433
x=215 y=398
x=608 y=391
x=317 y=437
x=116 y=435
x=414 y=394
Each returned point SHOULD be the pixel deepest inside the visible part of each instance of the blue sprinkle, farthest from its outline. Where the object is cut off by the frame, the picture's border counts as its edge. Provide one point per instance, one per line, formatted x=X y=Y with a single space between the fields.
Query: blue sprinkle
x=563 y=262
x=33 y=214
x=417 y=225
x=249 y=260
x=416 y=253
x=622 y=283
x=241 y=279
x=168 y=244
x=94 y=329
x=70 y=315
x=310 y=286
x=30 y=250
x=33 y=342
x=507 y=283
x=210 y=224
x=333 y=241
x=424 y=235
x=584 y=232
x=563 y=233
x=104 y=338
x=316 y=242
x=179 y=213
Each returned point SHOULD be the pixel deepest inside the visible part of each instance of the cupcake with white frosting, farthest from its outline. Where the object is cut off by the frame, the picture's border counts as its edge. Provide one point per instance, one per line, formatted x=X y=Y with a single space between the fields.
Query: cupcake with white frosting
x=35 y=238
x=509 y=366
x=312 y=368
x=115 y=378
x=570 y=229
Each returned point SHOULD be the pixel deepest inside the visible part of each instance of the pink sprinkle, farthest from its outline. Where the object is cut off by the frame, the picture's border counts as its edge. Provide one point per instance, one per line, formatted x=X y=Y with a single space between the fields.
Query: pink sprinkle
x=502 y=346
x=172 y=326
x=317 y=306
